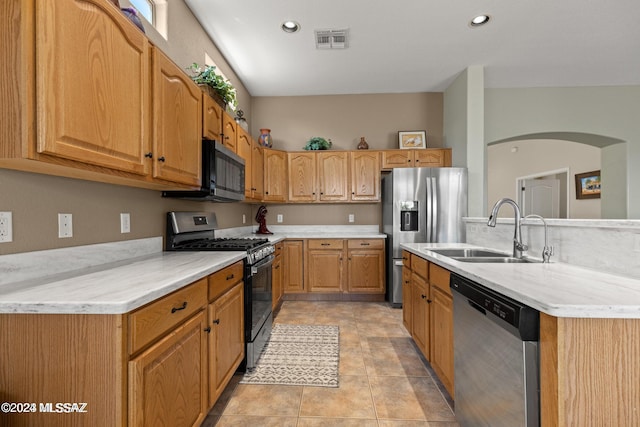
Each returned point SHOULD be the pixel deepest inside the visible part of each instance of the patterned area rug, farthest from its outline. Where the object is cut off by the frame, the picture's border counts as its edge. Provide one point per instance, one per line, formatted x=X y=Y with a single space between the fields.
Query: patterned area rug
x=299 y=355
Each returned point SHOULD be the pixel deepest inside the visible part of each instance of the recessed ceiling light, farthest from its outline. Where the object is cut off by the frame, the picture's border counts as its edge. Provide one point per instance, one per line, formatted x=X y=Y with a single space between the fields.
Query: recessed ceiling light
x=290 y=26
x=479 y=20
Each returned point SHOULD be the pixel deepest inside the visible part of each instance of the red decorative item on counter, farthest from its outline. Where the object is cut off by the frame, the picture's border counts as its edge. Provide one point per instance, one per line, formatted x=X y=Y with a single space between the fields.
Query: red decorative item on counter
x=261 y=219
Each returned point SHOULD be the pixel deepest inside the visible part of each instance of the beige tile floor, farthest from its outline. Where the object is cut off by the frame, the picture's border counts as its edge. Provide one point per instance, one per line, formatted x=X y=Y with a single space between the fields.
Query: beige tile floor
x=384 y=381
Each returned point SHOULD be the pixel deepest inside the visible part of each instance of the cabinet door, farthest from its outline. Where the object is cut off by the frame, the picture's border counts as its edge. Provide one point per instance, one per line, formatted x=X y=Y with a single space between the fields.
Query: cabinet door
x=245 y=150
x=168 y=382
x=302 y=177
x=257 y=171
x=275 y=175
x=407 y=300
x=293 y=266
x=276 y=282
x=92 y=84
x=226 y=339
x=397 y=159
x=177 y=107
x=420 y=313
x=229 y=131
x=429 y=158
x=366 y=265
x=333 y=176
x=442 y=337
x=324 y=270
x=211 y=119
x=365 y=176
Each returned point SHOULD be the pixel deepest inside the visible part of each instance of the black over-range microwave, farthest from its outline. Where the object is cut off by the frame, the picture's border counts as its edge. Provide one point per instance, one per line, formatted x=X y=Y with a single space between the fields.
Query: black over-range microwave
x=222 y=176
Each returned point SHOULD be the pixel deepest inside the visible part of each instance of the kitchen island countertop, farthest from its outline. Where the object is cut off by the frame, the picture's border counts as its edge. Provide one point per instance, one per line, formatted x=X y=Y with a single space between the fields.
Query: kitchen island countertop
x=557 y=289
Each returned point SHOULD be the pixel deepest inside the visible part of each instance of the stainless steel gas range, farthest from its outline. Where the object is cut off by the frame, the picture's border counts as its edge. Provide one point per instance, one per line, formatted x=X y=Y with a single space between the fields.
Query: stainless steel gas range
x=195 y=231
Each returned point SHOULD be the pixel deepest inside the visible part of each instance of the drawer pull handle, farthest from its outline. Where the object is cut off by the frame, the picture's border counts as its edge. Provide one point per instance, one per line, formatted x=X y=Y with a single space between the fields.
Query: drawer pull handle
x=216 y=322
x=325 y=244
x=231 y=276
x=182 y=307
x=208 y=329
x=364 y=244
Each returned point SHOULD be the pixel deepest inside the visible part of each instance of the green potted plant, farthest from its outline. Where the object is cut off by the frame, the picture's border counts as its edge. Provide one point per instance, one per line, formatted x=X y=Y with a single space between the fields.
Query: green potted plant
x=207 y=77
x=318 y=143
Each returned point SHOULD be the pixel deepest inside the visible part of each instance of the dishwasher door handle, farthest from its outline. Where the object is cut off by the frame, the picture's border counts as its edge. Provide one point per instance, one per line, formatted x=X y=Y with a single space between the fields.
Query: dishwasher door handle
x=477 y=307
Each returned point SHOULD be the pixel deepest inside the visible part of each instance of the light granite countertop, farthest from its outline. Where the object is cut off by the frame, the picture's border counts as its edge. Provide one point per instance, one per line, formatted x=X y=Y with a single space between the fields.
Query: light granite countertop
x=558 y=289
x=114 y=287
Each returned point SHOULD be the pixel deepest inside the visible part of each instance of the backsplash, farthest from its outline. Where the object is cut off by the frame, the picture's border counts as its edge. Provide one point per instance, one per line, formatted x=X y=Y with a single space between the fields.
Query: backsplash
x=612 y=246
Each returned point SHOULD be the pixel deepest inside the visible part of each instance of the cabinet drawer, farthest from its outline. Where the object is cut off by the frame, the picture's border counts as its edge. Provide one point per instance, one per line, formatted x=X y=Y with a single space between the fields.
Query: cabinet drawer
x=439 y=277
x=151 y=321
x=325 y=243
x=419 y=266
x=221 y=281
x=366 y=243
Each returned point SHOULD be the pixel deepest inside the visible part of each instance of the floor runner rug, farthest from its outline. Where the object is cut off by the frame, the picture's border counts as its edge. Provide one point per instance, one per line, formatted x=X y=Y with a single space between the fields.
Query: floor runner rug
x=299 y=355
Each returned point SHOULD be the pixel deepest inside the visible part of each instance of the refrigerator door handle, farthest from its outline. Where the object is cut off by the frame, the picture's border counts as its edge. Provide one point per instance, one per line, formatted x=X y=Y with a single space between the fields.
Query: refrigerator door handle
x=429 y=211
x=434 y=209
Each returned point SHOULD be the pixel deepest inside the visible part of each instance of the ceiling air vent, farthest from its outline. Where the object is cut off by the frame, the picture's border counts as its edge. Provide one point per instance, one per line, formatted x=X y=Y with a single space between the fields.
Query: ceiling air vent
x=331 y=39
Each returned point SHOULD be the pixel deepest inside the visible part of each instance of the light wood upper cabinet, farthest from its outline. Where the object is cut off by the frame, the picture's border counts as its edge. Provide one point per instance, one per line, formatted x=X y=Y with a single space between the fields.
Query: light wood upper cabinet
x=177 y=107
x=428 y=157
x=275 y=175
x=244 y=149
x=211 y=118
x=229 y=131
x=92 y=85
x=302 y=176
x=257 y=171
x=333 y=176
x=365 y=175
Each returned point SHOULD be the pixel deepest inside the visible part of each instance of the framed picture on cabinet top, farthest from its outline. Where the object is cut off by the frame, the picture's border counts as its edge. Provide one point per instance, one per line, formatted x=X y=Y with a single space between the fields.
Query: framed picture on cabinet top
x=411 y=139
x=588 y=185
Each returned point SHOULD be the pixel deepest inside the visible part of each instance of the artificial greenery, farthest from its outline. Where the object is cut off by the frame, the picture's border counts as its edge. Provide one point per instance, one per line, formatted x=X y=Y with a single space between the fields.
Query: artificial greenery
x=207 y=76
x=318 y=143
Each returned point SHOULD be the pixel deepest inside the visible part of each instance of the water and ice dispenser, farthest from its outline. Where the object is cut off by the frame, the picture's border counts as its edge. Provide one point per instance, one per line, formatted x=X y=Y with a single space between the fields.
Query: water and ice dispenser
x=409 y=216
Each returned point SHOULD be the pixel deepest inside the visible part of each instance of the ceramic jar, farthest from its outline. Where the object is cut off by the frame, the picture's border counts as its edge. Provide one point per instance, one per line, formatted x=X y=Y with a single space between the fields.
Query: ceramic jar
x=265 y=138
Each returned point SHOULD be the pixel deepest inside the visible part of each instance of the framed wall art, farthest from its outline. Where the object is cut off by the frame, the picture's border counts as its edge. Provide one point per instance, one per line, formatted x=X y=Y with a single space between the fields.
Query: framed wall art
x=588 y=185
x=410 y=139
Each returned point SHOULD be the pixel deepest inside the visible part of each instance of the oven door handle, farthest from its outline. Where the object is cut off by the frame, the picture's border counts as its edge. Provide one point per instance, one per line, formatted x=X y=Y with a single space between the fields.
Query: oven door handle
x=264 y=263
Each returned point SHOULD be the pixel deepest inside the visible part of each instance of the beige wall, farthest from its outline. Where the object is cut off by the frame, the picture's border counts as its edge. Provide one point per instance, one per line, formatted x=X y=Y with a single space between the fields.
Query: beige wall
x=346 y=118
x=536 y=157
x=337 y=214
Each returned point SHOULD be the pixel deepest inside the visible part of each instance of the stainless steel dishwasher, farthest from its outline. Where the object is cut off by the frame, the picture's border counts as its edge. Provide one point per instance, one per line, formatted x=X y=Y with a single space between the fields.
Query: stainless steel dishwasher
x=495 y=358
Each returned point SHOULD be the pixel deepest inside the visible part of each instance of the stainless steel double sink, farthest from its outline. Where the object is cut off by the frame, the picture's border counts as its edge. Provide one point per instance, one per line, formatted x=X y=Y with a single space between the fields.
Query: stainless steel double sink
x=481 y=256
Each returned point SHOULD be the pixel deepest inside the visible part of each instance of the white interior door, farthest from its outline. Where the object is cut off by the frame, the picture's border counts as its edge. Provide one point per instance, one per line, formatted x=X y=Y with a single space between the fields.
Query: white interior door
x=541 y=197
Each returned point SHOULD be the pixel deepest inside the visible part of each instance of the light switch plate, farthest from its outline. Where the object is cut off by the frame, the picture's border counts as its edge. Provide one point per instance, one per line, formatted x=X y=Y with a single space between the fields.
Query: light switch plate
x=280 y=218
x=65 y=225
x=352 y=218
x=6 y=227
x=125 y=223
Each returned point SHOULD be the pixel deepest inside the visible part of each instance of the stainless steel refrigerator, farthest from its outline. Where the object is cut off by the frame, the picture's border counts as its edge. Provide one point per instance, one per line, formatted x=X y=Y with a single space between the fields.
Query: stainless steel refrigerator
x=420 y=205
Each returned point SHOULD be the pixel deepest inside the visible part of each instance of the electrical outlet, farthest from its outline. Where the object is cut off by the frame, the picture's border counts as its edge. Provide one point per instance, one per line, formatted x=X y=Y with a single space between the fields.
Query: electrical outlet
x=125 y=223
x=65 y=226
x=280 y=218
x=6 y=227
x=352 y=218
x=244 y=218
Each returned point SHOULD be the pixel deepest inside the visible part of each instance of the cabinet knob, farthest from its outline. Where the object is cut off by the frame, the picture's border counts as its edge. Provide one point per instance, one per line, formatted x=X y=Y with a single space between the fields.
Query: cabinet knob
x=182 y=307
x=429 y=301
x=231 y=276
x=207 y=329
x=216 y=322
x=423 y=296
x=149 y=155
x=266 y=192
x=161 y=159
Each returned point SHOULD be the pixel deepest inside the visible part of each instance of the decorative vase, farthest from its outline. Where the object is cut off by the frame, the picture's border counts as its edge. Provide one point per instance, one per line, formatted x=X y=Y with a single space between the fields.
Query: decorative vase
x=240 y=120
x=363 y=144
x=265 y=138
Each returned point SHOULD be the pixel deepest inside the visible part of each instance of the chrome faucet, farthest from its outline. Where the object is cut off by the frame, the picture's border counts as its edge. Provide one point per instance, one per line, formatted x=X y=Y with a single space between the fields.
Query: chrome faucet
x=518 y=246
x=547 y=251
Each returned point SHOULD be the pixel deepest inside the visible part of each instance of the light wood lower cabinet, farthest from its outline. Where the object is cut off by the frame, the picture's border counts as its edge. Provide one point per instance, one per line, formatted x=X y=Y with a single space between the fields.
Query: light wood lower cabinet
x=293 y=260
x=366 y=266
x=441 y=326
x=420 y=312
x=226 y=339
x=168 y=381
x=277 y=276
x=324 y=261
x=407 y=300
